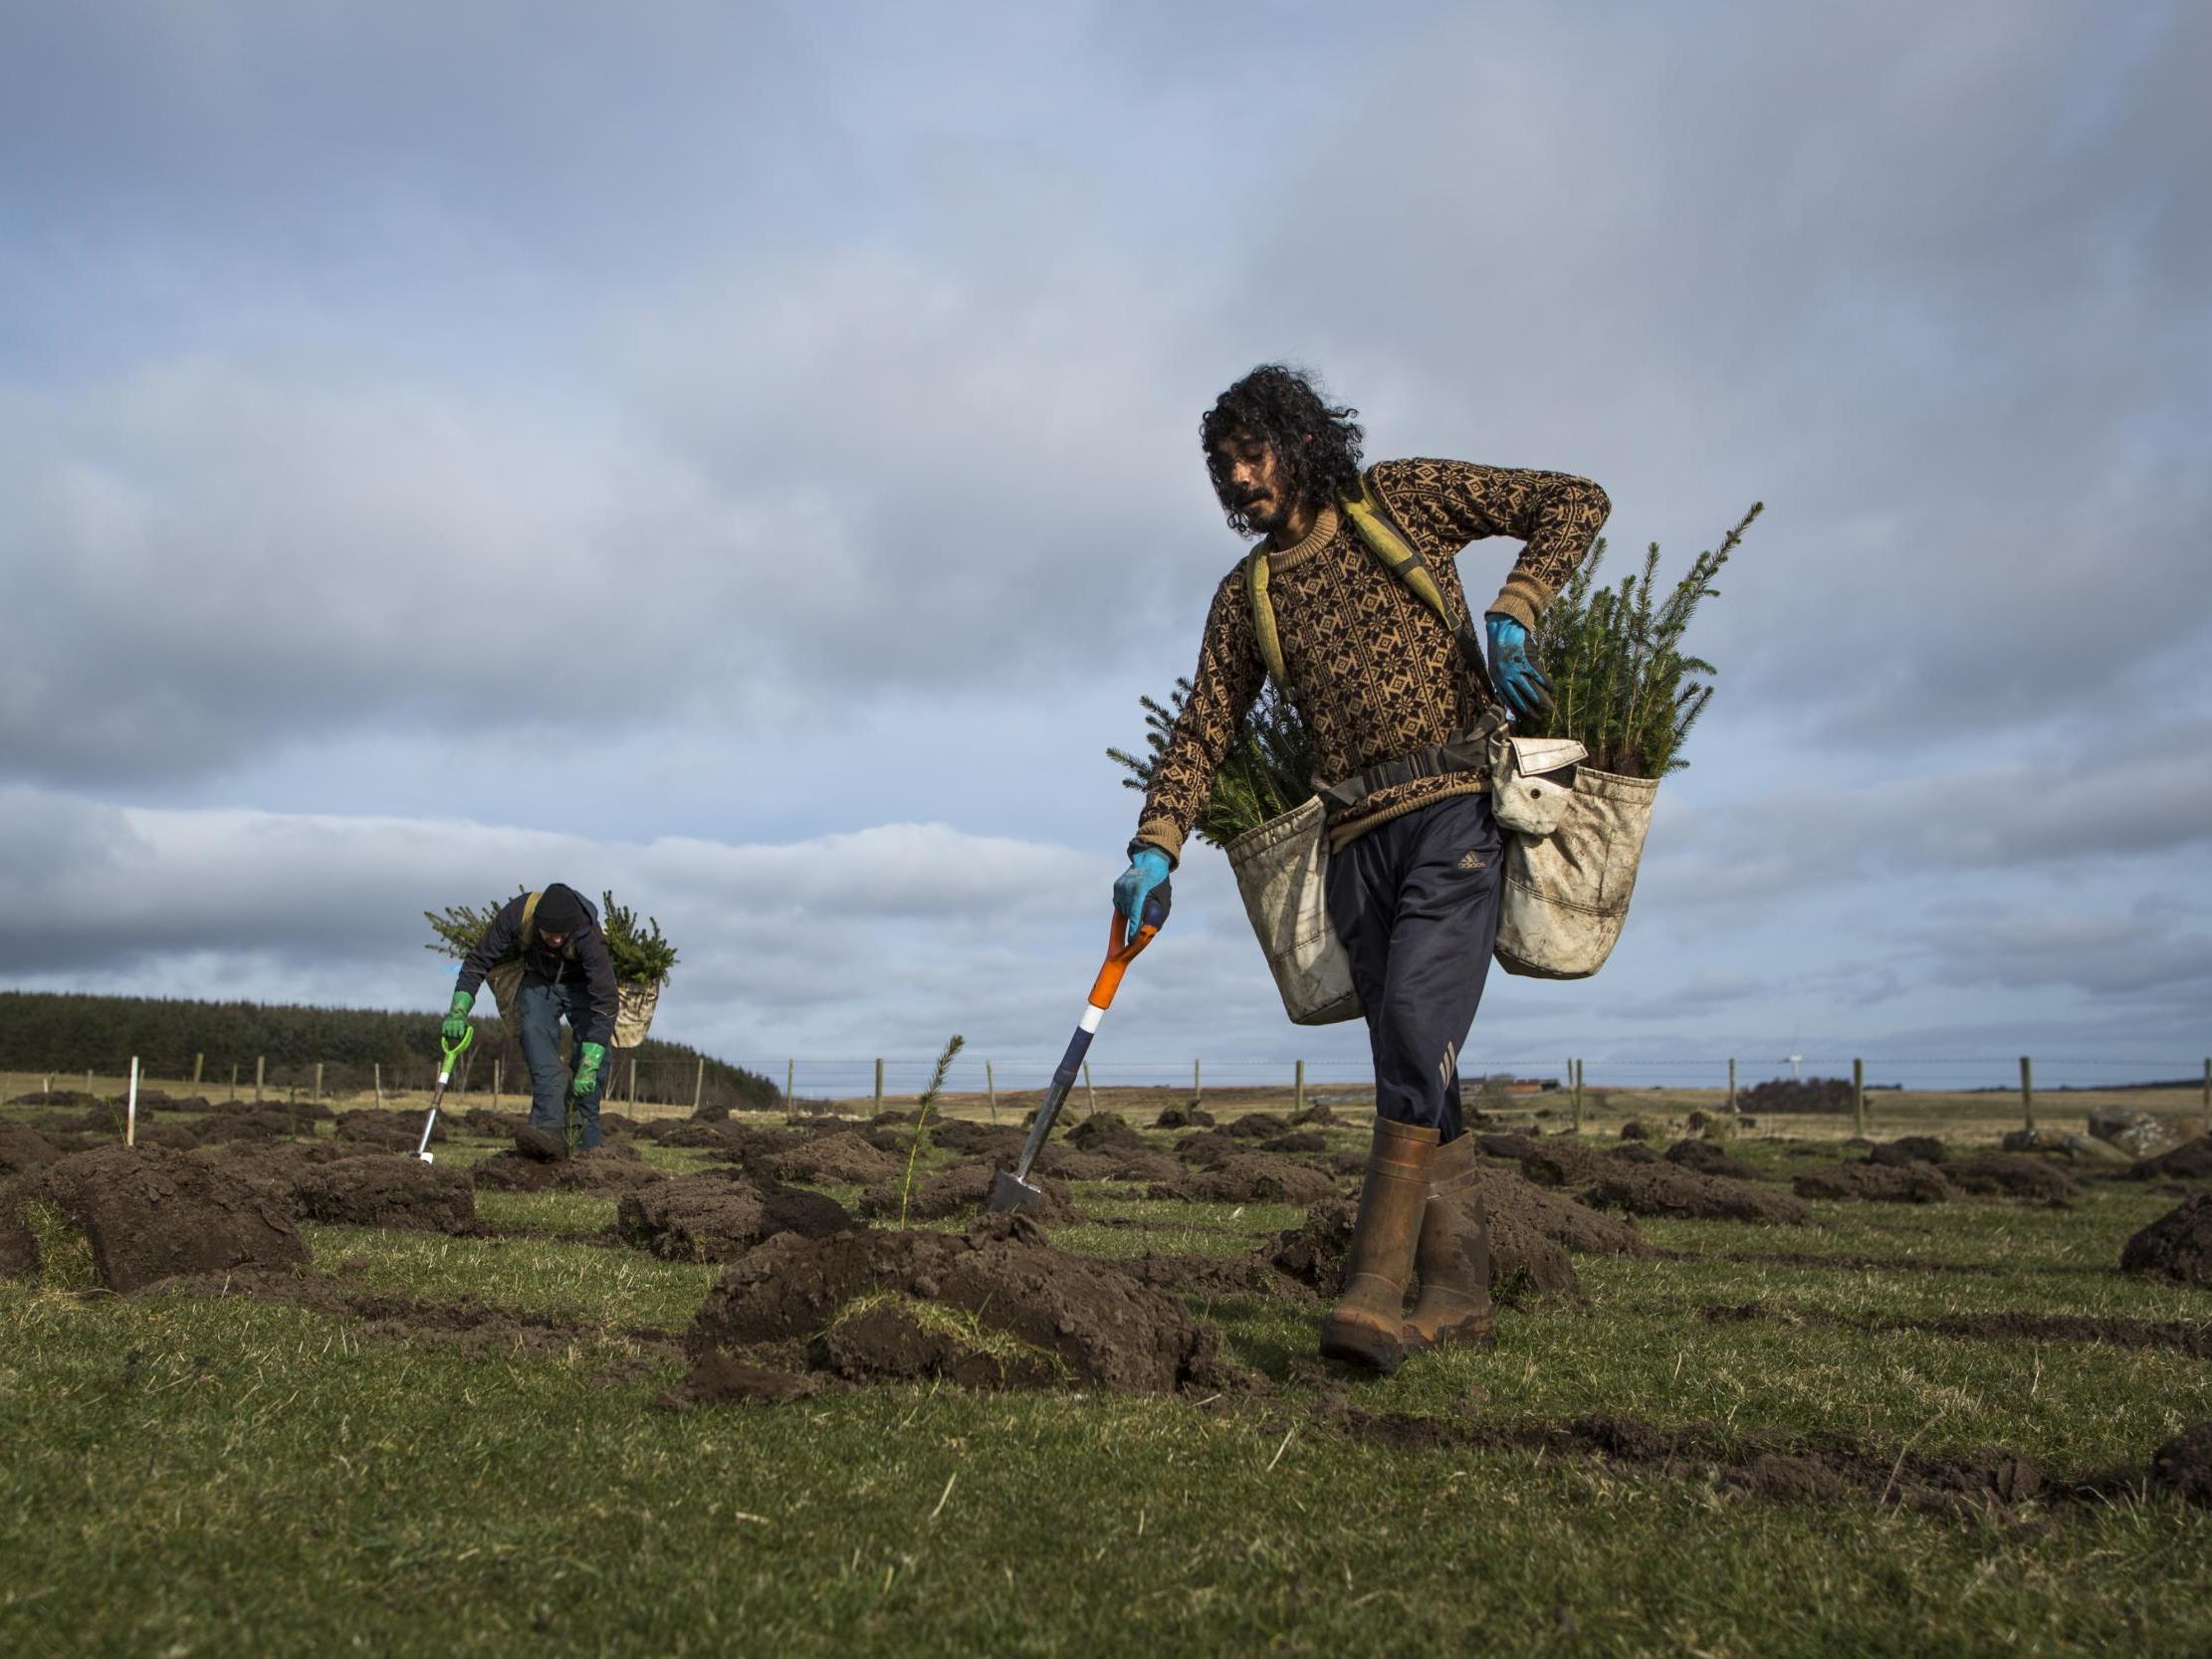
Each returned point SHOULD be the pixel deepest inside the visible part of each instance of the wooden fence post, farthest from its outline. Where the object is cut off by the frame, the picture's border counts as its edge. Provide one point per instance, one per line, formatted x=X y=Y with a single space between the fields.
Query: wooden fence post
x=318 y=1098
x=2027 y=1089
x=498 y=1077
x=1731 y=1084
x=1089 y=1093
x=1198 y=1086
x=1298 y=1088
x=199 y=1064
x=261 y=1063
x=790 y=1077
x=234 y=1080
x=2208 y=1096
x=699 y=1086
x=879 y=1082
x=88 y=1079
x=378 y=1068
x=131 y=1119
x=990 y=1089
x=1859 y=1099
x=1575 y=1066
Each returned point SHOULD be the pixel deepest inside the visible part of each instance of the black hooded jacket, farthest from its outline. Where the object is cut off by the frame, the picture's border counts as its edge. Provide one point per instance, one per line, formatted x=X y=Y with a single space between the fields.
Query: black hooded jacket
x=582 y=959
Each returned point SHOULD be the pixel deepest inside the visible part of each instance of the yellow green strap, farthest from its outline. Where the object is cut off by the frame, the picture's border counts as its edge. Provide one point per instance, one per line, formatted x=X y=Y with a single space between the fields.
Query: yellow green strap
x=1372 y=521
x=1263 y=615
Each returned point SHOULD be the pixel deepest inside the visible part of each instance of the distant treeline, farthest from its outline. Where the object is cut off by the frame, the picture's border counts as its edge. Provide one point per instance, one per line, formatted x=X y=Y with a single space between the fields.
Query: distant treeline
x=63 y=1032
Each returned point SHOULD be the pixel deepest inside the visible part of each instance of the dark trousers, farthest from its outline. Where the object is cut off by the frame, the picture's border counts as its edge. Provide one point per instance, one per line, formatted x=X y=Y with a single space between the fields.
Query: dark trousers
x=1416 y=902
x=540 y=1006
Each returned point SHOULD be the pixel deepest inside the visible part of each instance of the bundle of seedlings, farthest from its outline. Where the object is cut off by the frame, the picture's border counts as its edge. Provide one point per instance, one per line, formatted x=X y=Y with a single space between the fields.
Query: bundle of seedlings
x=642 y=956
x=1575 y=785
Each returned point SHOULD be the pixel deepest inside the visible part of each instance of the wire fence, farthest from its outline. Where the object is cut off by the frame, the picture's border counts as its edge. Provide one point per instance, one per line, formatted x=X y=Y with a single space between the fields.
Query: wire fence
x=689 y=1083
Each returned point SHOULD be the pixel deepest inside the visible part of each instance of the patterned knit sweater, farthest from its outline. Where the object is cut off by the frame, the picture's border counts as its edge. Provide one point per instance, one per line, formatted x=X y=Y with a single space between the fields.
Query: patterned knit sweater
x=1376 y=674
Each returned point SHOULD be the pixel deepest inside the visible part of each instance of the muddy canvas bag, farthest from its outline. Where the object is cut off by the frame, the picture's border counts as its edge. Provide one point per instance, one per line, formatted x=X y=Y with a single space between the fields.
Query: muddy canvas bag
x=1279 y=871
x=634 y=999
x=1573 y=835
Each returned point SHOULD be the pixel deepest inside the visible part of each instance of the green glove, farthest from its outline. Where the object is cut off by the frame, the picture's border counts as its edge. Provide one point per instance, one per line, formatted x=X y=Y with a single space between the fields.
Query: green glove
x=589 y=1058
x=457 y=1022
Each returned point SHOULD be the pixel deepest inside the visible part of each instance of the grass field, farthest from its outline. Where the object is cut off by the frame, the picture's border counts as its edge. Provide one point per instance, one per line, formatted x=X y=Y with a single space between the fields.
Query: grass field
x=476 y=1464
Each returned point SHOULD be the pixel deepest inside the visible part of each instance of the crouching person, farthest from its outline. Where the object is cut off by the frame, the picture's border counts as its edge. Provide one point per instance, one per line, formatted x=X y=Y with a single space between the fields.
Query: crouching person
x=554 y=940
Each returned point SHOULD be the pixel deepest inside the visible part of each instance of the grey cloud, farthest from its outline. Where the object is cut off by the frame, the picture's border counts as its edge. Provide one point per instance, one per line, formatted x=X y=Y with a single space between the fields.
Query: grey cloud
x=1933 y=285
x=2142 y=795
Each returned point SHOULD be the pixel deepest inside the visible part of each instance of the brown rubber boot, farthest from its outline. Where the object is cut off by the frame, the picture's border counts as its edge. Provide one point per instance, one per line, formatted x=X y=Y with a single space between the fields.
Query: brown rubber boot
x=1366 y=1327
x=1452 y=1257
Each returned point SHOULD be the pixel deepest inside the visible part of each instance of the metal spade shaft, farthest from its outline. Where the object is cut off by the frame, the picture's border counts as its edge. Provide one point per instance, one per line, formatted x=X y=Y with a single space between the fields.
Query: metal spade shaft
x=1012 y=1190
x=445 y=1076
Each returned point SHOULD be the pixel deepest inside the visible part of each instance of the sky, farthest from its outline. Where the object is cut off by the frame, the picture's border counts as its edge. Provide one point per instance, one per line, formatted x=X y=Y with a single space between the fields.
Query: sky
x=745 y=456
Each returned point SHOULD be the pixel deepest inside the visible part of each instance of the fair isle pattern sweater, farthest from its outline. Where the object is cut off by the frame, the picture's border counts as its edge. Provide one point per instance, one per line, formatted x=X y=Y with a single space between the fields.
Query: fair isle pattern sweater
x=1375 y=672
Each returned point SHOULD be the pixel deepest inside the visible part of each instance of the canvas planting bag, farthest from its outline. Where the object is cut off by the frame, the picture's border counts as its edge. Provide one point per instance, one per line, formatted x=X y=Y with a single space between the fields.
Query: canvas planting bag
x=1573 y=835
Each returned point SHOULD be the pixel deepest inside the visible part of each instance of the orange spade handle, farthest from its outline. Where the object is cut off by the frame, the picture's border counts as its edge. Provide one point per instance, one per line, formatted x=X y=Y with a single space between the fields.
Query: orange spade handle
x=1118 y=958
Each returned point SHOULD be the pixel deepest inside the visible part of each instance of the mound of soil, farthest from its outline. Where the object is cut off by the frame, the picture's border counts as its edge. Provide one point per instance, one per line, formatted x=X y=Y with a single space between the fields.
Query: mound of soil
x=1880 y=1183
x=1987 y=1174
x=2190 y=1162
x=2183 y=1465
x=1107 y=1132
x=1257 y=1126
x=1206 y=1147
x=1524 y=1262
x=887 y=1118
x=1907 y=1148
x=1250 y=1179
x=603 y=1169
x=150 y=1214
x=1660 y=1189
x=1708 y=1157
x=541 y=1145
x=220 y=1127
x=1634 y=1129
x=2177 y=1246
x=839 y=1156
x=996 y=1307
x=1566 y=1164
x=1315 y=1114
x=1068 y=1165
x=962 y=1188
x=1347 y=1162
x=1297 y=1143
x=1184 y=1116
x=389 y=1129
x=1548 y=1214
x=59 y=1097
x=493 y=1125
x=718 y=1217
x=985 y=1140
x=24 y=1149
x=1147 y=1167
x=1221 y=1278
x=1515 y=1146
x=386 y=1191
x=1634 y=1151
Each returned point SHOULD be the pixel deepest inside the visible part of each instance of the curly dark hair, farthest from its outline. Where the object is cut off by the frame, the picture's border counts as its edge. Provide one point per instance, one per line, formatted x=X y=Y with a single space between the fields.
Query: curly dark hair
x=1319 y=445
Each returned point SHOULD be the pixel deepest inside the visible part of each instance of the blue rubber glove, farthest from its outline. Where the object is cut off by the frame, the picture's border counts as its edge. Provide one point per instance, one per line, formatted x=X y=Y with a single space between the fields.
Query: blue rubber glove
x=1146 y=870
x=1518 y=681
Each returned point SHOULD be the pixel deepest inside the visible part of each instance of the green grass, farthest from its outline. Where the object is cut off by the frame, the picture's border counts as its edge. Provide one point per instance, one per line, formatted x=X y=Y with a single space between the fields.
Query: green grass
x=199 y=1476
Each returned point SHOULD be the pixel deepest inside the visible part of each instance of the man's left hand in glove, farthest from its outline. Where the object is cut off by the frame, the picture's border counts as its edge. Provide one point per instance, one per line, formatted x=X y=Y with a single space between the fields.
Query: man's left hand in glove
x=1525 y=689
x=589 y=1058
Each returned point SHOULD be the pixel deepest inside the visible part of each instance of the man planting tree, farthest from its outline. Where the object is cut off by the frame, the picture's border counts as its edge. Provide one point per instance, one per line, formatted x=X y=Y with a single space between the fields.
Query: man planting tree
x=554 y=938
x=1400 y=708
